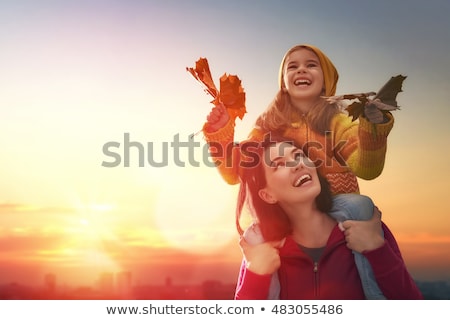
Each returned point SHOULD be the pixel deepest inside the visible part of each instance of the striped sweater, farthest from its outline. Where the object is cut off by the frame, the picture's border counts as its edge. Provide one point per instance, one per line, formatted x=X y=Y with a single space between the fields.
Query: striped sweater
x=350 y=149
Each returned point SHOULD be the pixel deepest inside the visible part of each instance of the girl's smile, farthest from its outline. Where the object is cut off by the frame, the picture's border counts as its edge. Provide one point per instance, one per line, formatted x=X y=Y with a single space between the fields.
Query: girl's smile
x=303 y=78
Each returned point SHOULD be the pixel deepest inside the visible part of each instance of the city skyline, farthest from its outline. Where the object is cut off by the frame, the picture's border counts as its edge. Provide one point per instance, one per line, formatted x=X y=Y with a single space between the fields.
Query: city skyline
x=122 y=286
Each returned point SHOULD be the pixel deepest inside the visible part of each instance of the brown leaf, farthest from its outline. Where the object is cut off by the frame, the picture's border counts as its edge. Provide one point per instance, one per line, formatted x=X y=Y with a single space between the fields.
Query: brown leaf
x=373 y=114
x=384 y=106
x=388 y=93
x=202 y=73
x=355 y=109
x=231 y=92
x=232 y=95
x=383 y=102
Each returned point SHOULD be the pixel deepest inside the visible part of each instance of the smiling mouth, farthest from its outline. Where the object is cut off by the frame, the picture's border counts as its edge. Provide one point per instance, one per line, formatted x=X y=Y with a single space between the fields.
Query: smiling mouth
x=302 y=82
x=302 y=180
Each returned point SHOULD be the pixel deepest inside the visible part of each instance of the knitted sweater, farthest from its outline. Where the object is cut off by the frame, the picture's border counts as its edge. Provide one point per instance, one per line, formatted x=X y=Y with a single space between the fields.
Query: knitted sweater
x=350 y=149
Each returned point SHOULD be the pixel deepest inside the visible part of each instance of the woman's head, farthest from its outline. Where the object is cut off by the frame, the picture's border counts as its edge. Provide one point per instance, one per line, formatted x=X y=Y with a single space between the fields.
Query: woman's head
x=330 y=74
x=291 y=177
x=282 y=178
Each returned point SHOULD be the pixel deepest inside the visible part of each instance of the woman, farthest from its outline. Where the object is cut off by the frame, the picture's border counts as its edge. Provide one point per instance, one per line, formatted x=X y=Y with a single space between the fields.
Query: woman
x=305 y=246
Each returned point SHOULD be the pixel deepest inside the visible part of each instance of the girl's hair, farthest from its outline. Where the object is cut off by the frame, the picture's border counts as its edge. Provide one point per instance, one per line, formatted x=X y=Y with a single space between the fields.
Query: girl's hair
x=271 y=218
x=280 y=113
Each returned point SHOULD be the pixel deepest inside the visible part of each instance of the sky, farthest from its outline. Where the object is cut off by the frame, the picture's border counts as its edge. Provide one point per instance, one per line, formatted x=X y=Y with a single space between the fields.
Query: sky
x=81 y=77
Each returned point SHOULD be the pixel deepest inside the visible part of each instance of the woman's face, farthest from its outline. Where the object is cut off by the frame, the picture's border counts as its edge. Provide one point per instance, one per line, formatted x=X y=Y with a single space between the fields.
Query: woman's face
x=291 y=177
x=303 y=75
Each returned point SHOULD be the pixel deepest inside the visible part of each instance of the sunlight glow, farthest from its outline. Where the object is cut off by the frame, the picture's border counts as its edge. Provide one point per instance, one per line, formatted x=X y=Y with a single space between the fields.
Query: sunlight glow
x=194 y=211
x=101 y=207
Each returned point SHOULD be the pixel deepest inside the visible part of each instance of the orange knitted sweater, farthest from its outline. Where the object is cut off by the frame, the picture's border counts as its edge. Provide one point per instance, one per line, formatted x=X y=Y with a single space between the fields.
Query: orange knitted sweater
x=350 y=149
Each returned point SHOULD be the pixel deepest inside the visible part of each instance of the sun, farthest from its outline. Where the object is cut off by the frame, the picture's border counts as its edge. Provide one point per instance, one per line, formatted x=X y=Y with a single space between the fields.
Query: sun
x=91 y=231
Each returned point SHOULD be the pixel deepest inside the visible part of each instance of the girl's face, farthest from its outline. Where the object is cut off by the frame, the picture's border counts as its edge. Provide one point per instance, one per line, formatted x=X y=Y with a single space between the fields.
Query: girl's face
x=303 y=76
x=291 y=177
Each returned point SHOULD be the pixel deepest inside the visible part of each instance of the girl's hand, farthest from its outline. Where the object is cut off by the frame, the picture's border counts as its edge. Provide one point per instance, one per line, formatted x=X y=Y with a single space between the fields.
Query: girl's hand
x=261 y=258
x=364 y=235
x=217 y=118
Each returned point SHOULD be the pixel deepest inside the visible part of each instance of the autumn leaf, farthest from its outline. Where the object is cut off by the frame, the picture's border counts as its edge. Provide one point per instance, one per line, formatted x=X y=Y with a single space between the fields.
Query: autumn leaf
x=376 y=108
x=231 y=92
x=232 y=95
x=202 y=73
x=388 y=93
x=356 y=109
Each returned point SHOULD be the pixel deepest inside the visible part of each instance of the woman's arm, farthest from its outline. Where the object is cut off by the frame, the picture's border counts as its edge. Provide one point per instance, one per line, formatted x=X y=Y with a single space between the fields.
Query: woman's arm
x=259 y=263
x=383 y=255
x=251 y=286
x=390 y=270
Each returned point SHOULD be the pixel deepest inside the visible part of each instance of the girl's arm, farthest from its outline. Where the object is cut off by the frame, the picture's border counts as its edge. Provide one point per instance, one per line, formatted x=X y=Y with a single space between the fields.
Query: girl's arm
x=227 y=154
x=224 y=152
x=365 y=144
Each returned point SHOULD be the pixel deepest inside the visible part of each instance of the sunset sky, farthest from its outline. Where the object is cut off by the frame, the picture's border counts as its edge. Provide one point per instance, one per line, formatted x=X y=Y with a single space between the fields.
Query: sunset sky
x=76 y=75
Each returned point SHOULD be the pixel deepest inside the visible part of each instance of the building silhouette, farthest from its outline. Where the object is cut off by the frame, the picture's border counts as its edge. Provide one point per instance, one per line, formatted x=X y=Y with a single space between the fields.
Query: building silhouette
x=116 y=286
x=124 y=284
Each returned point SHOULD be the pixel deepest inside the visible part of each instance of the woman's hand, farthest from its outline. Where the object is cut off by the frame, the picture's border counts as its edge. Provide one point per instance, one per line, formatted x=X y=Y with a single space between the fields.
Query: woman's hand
x=364 y=235
x=217 y=118
x=261 y=258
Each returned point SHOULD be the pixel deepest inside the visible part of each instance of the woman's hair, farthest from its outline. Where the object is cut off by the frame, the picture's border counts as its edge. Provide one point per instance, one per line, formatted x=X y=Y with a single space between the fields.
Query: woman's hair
x=273 y=221
x=280 y=113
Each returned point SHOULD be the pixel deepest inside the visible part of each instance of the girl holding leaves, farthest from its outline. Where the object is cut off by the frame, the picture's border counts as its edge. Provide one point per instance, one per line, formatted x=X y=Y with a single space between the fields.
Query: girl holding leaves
x=306 y=111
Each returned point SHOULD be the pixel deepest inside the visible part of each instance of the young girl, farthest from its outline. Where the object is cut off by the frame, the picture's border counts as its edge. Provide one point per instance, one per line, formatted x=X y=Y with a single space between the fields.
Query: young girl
x=306 y=249
x=341 y=149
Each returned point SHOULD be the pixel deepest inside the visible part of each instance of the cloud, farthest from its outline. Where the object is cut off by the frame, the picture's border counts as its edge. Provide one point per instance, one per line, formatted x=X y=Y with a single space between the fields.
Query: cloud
x=17 y=208
x=423 y=238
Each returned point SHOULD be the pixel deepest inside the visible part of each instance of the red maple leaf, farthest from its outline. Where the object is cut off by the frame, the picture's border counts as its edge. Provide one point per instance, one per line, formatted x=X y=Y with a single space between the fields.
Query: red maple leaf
x=202 y=73
x=232 y=95
x=231 y=92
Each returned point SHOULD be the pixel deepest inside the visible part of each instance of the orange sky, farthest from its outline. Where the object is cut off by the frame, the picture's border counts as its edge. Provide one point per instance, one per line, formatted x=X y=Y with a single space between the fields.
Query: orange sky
x=78 y=244
x=77 y=250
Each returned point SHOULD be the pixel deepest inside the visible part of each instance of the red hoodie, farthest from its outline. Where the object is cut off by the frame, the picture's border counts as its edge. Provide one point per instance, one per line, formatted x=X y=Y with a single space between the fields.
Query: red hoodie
x=334 y=276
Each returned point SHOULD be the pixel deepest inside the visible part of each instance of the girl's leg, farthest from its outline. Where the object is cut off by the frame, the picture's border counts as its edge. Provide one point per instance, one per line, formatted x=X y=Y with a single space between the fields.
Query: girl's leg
x=352 y=206
x=358 y=207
